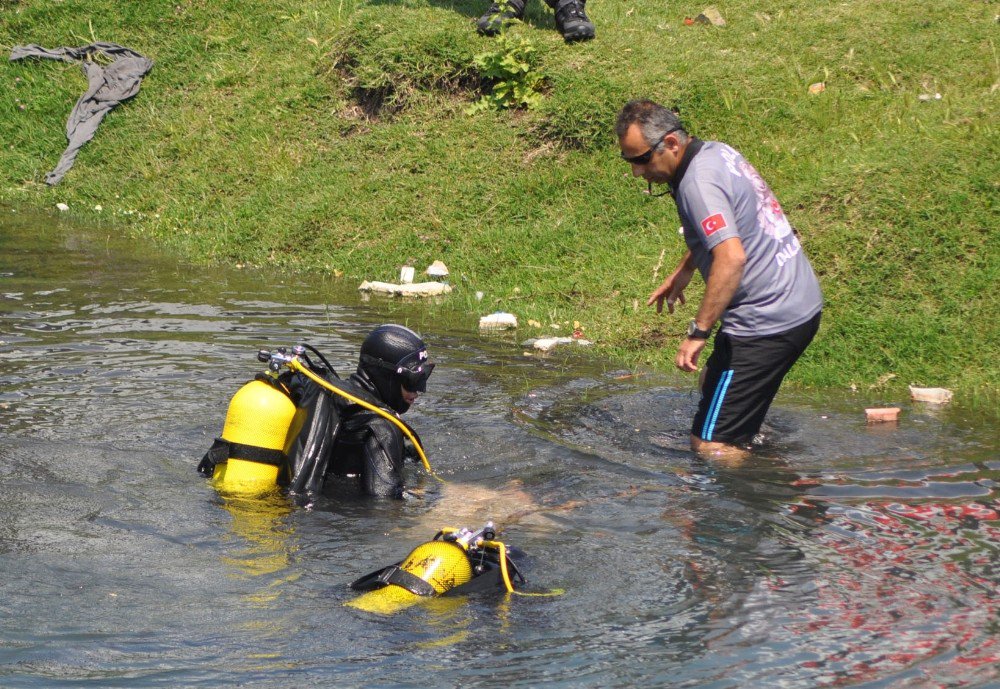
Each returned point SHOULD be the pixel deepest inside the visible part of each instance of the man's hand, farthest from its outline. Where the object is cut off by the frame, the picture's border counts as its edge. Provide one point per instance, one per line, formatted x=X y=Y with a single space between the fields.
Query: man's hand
x=688 y=353
x=666 y=292
x=672 y=289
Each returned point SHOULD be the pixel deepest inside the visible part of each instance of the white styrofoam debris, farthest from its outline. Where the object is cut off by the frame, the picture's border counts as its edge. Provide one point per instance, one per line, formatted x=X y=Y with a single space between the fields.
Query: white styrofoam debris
x=547 y=344
x=498 y=321
x=437 y=270
x=932 y=395
x=416 y=289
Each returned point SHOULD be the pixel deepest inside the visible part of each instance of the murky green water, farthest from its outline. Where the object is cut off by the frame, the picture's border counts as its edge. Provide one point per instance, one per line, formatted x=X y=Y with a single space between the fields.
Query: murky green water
x=843 y=555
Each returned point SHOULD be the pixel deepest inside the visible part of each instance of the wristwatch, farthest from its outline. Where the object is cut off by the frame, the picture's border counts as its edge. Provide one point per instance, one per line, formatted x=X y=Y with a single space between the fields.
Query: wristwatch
x=696 y=333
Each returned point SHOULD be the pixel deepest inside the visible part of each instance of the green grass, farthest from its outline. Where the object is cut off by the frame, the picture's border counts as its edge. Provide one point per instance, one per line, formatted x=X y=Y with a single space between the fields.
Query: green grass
x=332 y=136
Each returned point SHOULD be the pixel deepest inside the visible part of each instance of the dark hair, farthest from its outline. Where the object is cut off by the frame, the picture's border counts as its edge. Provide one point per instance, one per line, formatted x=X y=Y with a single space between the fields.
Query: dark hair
x=654 y=120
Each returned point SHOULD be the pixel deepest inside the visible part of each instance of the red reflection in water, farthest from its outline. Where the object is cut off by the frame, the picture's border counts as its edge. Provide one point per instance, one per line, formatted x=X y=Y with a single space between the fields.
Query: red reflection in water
x=904 y=587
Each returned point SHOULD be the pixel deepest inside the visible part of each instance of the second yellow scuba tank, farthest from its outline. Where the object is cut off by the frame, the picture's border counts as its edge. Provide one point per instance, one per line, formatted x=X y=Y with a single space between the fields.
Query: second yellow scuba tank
x=255 y=434
x=455 y=561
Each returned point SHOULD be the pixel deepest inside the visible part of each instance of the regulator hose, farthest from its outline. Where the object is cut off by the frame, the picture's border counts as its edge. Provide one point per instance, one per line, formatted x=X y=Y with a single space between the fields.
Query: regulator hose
x=295 y=365
x=506 y=575
x=323 y=359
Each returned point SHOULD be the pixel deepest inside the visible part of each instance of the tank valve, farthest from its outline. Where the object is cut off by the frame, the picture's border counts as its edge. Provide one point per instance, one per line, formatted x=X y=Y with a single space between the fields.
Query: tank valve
x=276 y=359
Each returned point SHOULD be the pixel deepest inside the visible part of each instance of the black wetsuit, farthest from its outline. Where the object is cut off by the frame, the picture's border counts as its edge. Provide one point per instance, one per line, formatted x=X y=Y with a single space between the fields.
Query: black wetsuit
x=369 y=446
x=339 y=438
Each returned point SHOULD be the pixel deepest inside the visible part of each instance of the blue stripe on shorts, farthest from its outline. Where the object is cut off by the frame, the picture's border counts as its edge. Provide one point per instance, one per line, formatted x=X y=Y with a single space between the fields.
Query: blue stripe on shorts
x=713 y=411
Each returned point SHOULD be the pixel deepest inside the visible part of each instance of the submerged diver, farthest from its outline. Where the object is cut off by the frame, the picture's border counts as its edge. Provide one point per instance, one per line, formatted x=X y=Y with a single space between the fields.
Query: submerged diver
x=299 y=428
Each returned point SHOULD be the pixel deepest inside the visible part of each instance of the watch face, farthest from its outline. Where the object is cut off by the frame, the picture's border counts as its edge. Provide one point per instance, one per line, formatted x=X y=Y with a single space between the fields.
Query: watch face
x=694 y=332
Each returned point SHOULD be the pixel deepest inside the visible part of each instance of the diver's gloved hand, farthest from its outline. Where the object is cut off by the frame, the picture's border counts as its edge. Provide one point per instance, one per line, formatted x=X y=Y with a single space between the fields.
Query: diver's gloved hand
x=217 y=454
x=410 y=451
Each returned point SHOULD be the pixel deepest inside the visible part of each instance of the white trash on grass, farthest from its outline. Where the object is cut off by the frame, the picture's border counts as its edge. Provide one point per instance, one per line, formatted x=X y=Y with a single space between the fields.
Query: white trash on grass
x=547 y=344
x=416 y=289
x=710 y=15
x=498 y=321
x=932 y=395
x=438 y=271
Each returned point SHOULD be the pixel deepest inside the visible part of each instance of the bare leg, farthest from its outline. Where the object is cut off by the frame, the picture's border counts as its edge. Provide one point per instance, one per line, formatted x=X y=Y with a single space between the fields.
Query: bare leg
x=724 y=453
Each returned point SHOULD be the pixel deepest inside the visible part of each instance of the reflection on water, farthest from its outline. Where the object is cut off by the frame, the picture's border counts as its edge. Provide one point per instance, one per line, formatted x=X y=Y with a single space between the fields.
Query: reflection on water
x=841 y=555
x=908 y=585
x=261 y=532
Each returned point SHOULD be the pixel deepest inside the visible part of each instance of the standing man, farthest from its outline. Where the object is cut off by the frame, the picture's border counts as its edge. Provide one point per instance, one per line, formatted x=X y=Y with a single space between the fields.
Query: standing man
x=758 y=282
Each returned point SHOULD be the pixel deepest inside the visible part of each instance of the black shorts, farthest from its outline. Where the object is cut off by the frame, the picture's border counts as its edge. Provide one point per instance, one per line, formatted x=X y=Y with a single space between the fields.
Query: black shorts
x=742 y=377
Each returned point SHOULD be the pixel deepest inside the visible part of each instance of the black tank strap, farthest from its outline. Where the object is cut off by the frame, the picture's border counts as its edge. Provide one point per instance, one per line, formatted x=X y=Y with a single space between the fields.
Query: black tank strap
x=252 y=453
x=223 y=450
x=410 y=582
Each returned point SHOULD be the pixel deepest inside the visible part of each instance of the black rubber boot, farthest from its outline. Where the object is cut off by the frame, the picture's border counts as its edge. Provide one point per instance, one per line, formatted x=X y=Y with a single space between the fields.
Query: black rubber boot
x=571 y=19
x=490 y=23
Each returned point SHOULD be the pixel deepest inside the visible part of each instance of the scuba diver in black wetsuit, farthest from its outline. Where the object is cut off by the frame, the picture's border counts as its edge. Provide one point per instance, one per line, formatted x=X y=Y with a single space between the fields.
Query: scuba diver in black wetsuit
x=393 y=367
x=298 y=428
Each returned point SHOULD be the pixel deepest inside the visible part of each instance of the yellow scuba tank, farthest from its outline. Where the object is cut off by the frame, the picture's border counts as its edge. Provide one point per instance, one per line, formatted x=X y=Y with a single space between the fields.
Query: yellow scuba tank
x=454 y=562
x=431 y=569
x=256 y=430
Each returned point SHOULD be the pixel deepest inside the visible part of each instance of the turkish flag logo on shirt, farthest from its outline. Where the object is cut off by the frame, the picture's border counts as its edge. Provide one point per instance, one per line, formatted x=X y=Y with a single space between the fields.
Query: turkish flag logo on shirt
x=713 y=223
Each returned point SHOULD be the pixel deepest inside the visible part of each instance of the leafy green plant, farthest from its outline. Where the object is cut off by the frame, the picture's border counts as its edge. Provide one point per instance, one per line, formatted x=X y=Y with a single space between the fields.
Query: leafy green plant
x=511 y=72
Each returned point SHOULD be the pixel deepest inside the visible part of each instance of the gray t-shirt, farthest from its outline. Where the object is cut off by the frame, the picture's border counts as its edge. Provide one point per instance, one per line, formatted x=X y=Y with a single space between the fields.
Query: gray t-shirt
x=720 y=195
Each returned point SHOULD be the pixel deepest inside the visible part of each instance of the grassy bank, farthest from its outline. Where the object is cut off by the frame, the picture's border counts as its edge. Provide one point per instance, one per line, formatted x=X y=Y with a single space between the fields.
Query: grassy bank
x=332 y=136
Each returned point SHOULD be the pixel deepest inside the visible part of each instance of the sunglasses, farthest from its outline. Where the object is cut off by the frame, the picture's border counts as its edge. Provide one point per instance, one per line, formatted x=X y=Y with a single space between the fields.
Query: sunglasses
x=644 y=158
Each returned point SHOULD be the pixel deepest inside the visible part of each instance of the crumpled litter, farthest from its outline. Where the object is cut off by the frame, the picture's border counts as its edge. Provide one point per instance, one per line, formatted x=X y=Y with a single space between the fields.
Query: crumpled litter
x=108 y=86
x=438 y=271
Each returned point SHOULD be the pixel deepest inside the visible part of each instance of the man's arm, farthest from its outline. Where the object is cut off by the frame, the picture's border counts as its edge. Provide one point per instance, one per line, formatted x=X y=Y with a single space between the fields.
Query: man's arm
x=724 y=278
x=672 y=288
